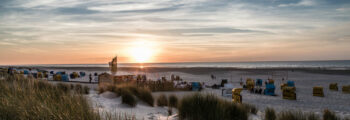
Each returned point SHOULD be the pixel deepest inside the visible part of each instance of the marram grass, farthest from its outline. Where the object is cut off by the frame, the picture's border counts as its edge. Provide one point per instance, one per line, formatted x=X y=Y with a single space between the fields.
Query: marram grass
x=35 y=99
x=30 y=99
x=210 y=107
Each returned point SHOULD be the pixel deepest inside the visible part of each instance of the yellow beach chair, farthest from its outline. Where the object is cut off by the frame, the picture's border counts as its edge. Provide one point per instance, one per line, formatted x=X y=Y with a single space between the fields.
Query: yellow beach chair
x=346 y=89
x=236 y=95
x=318 y=91
x=333 y=86
x=250 y=84
x=289 y=93
x=57 y=77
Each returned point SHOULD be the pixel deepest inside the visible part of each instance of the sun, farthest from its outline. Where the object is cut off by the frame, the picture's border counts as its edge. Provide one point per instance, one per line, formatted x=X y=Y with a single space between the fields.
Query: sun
x=142 y=51
x=141 y=54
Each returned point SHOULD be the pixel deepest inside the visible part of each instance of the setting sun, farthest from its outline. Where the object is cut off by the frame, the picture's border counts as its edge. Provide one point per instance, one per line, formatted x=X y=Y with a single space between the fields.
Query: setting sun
x=141 y=54
x=142 y=51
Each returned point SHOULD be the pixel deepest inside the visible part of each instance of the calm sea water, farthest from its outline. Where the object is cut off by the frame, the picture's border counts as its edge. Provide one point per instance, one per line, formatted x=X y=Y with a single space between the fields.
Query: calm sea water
x=339 y=64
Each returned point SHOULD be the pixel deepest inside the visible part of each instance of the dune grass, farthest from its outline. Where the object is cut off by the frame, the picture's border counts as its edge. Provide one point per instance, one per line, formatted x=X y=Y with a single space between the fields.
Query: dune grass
x=328 y=115
x=118 y=116
x=291 y=115
x=270 y=114
x=34 y=99
x=128 y=98
x=313 y=116
x=78 y=88
x=162 y=101
x=297 y=115
x=142 y=93
x=64 y=87
x=210 y=107
x=145 y=95
x=86 y=90
x=173 y=101
x=251 y=108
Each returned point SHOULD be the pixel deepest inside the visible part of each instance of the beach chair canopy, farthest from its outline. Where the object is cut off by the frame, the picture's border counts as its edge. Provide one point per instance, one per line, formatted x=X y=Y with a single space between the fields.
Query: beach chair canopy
x=259 y=82
x=35 y=75
x=61 y=72
x=26 y=72
x=290 y=83
x=270 y=89
x=270 y=86
x=82 y=74
x=73 y=75
x=196 y=86
x=64 y=77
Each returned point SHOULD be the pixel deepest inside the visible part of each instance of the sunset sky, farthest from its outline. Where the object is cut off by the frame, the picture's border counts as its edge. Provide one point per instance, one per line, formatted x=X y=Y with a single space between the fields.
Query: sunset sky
x=93 y=31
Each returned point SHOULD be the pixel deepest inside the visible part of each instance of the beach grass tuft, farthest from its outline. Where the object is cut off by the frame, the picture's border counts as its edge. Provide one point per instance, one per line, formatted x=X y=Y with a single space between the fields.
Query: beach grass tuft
x=270 y=114
x=142 y=93
x=210 y=107
x=78 y=88
x=86 y=90
x=173 y=101
x=118 y=116
x=63 y=87
x=162 y=101
x=36 y=99
x=313 y=116
x=328 y=115
x=128 y=98
x=291 y=115
x=297 y=115
x=145 y=95
x=251 y=108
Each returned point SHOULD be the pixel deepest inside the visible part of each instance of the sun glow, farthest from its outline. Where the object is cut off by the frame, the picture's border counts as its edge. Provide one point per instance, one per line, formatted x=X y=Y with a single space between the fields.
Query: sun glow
x=142 y=51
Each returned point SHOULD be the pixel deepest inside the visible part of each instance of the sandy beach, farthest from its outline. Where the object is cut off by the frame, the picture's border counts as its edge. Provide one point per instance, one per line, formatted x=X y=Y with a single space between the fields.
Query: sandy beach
x=305 y=79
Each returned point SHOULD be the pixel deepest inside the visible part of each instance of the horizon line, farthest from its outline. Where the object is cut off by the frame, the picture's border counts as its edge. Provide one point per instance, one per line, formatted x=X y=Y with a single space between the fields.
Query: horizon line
x=178 y=62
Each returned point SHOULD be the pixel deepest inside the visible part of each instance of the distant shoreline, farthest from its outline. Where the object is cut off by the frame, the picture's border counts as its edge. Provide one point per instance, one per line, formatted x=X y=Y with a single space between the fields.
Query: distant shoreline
x=314 y=65
x=208 y=70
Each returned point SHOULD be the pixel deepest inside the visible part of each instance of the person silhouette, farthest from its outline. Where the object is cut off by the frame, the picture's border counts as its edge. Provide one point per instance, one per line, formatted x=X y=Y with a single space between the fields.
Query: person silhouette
x=90 y=78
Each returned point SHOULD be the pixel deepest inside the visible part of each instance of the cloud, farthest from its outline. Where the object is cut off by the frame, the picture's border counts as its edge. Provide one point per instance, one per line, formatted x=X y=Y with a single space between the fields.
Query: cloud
x=126 y=7
x=74 y=10
x=135 y=7
x=300 y=3
x=196 y=31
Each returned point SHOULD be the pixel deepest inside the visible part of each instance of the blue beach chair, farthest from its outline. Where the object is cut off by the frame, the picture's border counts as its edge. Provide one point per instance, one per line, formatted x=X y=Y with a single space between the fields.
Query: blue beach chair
x=270 y=89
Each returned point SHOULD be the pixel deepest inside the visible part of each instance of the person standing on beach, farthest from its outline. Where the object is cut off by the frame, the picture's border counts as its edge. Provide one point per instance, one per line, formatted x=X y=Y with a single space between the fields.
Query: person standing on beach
x=90 y=78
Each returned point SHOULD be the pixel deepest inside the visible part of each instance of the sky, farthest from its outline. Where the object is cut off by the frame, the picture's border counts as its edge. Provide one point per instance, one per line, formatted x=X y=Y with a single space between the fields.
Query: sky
x=94 y=31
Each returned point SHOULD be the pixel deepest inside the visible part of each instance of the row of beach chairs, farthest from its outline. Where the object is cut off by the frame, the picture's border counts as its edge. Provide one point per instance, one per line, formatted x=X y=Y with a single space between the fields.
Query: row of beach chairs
x=318 y=90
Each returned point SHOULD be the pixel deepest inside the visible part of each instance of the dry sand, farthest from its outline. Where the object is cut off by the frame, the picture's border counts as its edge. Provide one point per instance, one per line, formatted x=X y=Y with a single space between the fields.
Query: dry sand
x=304 y=79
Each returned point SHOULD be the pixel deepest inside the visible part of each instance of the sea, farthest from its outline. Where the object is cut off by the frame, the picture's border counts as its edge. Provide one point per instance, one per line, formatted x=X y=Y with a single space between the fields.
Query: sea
x=331 y=64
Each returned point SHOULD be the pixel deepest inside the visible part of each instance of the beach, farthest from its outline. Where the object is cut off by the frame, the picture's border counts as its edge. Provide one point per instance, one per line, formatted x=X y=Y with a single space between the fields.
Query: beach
x=305 y=79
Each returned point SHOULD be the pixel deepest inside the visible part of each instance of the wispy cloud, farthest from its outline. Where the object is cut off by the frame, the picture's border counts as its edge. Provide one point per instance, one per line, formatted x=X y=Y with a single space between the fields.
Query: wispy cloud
x=301 y=3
